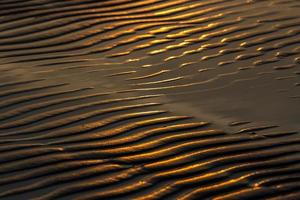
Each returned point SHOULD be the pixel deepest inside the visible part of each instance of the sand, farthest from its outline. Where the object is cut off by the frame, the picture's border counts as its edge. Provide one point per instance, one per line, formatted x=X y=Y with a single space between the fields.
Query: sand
x=149 y=99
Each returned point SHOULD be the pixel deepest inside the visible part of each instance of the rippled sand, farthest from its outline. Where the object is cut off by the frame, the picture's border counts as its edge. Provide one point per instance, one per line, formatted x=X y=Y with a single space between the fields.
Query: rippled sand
x=149 y=99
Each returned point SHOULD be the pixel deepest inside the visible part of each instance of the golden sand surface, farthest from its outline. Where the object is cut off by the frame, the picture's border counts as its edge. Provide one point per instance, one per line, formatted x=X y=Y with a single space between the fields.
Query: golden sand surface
x=149 y=99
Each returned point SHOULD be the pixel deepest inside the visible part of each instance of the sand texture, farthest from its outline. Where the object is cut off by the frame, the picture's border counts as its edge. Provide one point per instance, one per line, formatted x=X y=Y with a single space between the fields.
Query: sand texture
x=149 y=99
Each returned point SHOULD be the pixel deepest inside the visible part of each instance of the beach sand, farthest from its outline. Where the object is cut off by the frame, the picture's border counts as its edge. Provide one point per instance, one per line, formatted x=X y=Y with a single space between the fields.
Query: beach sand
x=149 y=99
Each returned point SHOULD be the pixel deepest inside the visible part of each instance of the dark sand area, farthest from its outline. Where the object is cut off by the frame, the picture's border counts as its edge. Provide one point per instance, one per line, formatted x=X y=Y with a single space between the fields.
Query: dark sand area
x=149 y=99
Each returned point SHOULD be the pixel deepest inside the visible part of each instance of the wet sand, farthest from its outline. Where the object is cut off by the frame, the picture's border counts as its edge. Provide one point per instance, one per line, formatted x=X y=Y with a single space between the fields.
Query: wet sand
x=149 y=99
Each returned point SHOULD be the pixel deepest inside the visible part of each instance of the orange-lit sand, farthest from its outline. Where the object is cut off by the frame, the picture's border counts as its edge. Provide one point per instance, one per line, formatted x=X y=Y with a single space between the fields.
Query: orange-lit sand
x=149 y=99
